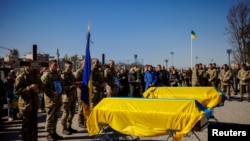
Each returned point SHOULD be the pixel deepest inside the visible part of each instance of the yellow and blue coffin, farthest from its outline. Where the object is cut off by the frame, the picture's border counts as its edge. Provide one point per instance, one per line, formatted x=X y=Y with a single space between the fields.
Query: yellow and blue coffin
x=146 y=117
x=208 y=96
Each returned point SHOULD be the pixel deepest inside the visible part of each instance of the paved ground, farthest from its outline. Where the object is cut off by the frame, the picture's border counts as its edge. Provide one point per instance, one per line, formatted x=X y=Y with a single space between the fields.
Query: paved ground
x=231 y=112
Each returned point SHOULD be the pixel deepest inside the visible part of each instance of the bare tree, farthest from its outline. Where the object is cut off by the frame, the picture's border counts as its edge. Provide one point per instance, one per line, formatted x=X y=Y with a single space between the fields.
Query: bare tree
x=238 y=27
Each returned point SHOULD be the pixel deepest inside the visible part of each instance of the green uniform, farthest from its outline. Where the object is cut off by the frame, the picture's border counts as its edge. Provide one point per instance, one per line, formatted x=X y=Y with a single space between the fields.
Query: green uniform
x=22 y=88
x=212 y=77
x=244 y=77
x=52 y=102
x=195 y=78
x=97 y=80
x=111 y=87
x=204 y=78
x=69 y=98
x=80 y=116
x=225 y=78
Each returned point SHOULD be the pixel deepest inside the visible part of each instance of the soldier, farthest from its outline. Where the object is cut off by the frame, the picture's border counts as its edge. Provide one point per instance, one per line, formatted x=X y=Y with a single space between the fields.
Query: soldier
x=235 y=79
x=195 y=76
x=69 y=98
x=244 y=77
x=204 y=78
x=212 y=76
x=24 y=88
x=97 y=82
x=225 y=78
x=188 y=77
x=202 y=75
x=217 y=69
x=111 y=79
x=52 y=88
x=78 y=76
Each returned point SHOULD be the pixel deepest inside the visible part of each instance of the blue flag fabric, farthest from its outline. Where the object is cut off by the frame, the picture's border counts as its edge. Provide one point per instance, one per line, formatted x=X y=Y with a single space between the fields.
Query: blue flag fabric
x=193 y=35
x=86 y=77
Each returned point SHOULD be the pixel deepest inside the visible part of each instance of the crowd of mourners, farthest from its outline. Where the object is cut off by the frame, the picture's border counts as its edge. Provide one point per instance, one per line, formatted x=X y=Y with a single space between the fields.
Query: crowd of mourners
x=107 y=81
x=229 y=80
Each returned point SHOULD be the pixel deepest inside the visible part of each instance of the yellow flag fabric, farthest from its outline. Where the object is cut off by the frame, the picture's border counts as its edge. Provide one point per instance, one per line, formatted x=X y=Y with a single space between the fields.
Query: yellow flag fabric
x=193 y=35
x=207 y=96
x=145 y=116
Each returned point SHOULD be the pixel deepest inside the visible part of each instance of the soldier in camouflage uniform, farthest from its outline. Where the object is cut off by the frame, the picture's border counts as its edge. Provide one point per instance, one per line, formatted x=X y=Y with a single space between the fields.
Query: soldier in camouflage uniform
x=110 y=77
x=212 y=76
x=69 y=98
x=97 y=82
x=202 y=75
x=217 y=69
x=205 y=76
x=24 y=88
x=195 y=76
x=78 y=76
x=225 y=77
x=53 y=88
x=244 y=77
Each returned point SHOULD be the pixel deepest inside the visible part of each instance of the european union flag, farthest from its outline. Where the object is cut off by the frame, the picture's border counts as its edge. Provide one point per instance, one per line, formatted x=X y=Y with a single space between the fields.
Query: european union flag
x=193 y=35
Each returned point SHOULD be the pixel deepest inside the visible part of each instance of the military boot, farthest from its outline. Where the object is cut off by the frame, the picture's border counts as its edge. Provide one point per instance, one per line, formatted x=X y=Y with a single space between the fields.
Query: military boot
x=72 y=130
x=57 y=137
x=66 y=132
x=241 y=99
x=50 y=138
x=81 y=125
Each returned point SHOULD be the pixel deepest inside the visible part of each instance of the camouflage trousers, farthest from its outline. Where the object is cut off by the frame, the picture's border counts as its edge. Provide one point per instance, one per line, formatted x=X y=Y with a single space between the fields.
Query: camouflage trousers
x=247 y=90
x=68 y=113
x=80 y=115
x=226 y=90
x=26 y=126
x=213 y=84
x=53 y=113
x=95 y=99
x=111 y=90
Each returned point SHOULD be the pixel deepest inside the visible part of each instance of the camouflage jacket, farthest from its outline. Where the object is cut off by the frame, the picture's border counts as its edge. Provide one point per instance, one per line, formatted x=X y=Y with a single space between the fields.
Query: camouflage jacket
x=225 y=77
x=97 y=77
x=109 y=76
x=69 y=88
x=47 y=79
x=195 y=77
x=243 y=76
x=67 y=79
x=212 y=74
x=78 y=75
x=22 y=87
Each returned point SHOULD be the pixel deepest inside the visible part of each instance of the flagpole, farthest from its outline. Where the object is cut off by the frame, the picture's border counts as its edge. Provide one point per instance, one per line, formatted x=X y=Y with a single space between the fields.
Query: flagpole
x=89 y=26
x=191 y=53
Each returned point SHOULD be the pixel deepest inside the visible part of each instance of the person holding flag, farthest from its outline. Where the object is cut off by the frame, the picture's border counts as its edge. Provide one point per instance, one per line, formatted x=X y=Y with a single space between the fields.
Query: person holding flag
x=86 y=90
x=79 y=76
x=97 y=83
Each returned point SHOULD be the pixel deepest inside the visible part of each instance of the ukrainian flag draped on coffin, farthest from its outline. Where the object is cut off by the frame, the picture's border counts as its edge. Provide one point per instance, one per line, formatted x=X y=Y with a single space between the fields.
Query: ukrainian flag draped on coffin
x=86 y=84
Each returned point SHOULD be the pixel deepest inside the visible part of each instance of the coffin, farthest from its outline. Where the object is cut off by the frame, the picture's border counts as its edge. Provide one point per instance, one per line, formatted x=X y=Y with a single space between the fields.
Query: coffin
x=208 y=96
x=147 y=117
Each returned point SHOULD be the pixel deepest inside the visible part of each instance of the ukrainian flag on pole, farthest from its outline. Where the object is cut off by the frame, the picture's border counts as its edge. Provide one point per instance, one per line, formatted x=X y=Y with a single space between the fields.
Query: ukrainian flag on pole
x=193 y=35
x=86 y=78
